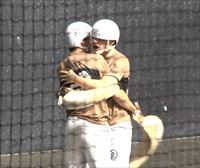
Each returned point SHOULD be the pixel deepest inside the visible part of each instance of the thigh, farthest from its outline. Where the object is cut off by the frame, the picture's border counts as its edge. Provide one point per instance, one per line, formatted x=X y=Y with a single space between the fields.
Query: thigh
x=73 y=150
x=97 y=145
x=121 y=144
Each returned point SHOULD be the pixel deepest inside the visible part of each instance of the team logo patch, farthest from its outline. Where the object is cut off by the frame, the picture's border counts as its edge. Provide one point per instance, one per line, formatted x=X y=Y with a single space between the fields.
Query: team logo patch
x=114 y=154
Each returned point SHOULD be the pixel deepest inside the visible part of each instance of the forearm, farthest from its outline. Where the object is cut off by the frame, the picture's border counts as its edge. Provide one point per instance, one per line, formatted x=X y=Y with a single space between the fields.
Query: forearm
x=95 y=83
x=87 y=83
x=123 y=100
x=79 y=99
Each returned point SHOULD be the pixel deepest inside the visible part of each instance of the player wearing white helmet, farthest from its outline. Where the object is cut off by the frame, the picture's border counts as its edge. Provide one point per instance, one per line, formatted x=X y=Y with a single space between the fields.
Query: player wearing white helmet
x=77 y=35
x=105 y=36
x=108 y=31
x=86 y=130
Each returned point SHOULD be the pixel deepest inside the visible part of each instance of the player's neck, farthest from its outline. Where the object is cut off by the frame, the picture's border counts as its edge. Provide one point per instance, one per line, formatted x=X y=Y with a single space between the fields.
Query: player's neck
x=110 y=53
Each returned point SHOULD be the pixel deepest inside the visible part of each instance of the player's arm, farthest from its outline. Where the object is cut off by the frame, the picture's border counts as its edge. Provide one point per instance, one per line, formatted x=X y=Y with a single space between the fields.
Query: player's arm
x=77 y=99
x=122 y=65
x=59 y=68
x=121 y=97
x=86 y=83
x=123 y=100
x=74 y=99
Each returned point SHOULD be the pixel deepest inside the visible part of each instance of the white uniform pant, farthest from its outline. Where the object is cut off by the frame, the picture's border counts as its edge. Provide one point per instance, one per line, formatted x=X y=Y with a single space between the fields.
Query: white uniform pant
x=86 y=144
x=121 y=139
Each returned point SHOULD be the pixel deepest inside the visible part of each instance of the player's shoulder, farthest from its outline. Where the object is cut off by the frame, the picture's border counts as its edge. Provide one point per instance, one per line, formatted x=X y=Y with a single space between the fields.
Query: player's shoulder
x=84 y=57
x=95 y=56
x=119 y=54
x=120 y=57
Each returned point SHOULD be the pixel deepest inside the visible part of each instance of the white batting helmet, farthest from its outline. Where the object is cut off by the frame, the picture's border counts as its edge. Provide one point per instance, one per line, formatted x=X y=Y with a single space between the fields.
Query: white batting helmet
x=106 y=29
x=76 y=32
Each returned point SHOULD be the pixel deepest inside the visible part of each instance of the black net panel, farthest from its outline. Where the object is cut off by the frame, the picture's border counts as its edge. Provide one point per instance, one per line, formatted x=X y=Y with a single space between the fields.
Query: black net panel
x=161 y=39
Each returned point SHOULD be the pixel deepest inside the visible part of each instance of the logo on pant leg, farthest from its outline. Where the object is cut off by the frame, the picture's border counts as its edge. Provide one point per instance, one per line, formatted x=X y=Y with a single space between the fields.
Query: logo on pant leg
x=114 y=154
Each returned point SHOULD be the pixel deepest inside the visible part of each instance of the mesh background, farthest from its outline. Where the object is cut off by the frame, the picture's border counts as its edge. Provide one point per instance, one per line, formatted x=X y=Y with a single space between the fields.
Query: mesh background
x=160 y=37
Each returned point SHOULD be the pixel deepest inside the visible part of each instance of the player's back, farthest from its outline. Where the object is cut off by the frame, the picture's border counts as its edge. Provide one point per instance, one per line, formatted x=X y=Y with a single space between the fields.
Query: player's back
x=91 y=66
x=88 y=65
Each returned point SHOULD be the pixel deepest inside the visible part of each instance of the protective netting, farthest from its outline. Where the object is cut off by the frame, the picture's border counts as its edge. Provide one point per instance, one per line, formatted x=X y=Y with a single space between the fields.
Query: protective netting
x=161 y=39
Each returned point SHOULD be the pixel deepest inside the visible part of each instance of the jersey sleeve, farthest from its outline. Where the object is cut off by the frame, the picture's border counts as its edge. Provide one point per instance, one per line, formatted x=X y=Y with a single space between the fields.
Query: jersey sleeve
x=120 y=69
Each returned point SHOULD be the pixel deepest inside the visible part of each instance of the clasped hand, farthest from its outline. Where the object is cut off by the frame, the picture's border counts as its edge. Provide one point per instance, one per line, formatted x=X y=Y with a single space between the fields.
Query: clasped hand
x=66 y=77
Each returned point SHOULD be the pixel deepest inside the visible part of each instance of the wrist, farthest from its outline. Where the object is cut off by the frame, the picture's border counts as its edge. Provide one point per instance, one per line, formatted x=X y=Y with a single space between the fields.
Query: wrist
x=137 y=112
